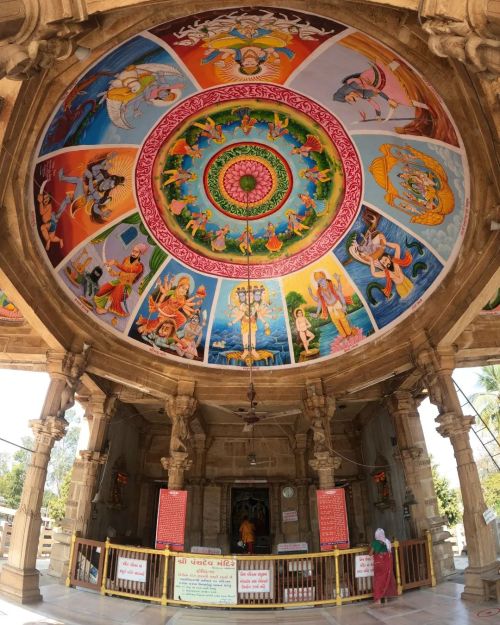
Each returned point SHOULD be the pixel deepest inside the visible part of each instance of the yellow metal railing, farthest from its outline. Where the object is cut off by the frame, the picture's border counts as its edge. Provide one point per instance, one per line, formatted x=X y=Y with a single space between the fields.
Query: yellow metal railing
x=326 y=578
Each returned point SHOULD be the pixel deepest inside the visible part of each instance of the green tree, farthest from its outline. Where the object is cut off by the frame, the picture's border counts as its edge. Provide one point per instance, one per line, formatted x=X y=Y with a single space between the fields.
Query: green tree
x=448 y=498
x=487 y=402
x=491 y=490
x=56 y=504
x=12 y=480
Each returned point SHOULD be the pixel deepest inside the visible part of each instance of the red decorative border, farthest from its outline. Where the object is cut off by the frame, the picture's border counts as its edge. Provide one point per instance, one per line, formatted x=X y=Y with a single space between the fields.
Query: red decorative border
x=194 y=105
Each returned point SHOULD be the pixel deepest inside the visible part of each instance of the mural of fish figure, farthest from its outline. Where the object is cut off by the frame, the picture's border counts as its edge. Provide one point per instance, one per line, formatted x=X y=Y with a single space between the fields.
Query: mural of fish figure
x=150 y=83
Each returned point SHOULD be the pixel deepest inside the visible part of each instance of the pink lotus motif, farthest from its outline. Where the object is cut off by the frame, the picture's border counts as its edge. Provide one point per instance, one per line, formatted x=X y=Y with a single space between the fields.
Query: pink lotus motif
x=247 y=167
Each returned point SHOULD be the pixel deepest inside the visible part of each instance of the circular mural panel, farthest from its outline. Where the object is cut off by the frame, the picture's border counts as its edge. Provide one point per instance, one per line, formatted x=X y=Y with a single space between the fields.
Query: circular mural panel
x=250 y=186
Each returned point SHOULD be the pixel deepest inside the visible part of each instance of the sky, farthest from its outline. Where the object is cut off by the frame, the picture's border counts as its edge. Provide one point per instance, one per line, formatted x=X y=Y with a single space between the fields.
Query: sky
x=23 y=394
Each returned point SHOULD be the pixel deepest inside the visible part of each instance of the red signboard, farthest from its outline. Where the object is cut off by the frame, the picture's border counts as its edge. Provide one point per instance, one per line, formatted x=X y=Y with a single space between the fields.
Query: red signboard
x=171 y=520
x=332 y=518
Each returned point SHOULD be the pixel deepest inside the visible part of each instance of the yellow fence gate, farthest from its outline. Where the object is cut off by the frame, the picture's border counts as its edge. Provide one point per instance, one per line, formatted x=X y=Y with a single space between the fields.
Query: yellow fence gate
x=269 y=581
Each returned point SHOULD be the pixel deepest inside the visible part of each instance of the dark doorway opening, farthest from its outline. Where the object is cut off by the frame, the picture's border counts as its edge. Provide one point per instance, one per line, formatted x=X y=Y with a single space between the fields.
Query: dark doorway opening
x=254 y=503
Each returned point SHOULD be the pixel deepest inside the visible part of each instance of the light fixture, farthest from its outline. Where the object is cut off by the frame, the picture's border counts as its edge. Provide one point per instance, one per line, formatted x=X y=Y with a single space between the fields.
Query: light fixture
x=252 y=459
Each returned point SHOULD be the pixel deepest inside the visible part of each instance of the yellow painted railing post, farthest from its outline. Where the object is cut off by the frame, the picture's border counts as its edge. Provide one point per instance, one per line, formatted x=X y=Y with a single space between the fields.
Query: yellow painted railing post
x=428 y=539
x=71 y=554
x=105 y=567
x=398 y=572
x=165 y=578
x=338 y=598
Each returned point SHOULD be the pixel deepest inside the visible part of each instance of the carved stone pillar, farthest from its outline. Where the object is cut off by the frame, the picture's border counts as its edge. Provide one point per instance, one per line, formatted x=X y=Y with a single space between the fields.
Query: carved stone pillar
x=180 y=408
x=84 y=483
x=319 y=409
x=437 y=367
x=19 y=580
x=197 y=481
x=417 y=467
x=302 y=484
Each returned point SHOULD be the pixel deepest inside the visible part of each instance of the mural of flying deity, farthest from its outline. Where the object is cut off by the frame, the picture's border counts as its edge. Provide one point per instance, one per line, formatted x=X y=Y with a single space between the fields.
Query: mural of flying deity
x=253 y=186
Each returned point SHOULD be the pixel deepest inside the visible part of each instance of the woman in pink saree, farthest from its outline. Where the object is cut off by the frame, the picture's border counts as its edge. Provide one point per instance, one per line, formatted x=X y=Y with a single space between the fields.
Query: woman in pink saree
x=384 y=584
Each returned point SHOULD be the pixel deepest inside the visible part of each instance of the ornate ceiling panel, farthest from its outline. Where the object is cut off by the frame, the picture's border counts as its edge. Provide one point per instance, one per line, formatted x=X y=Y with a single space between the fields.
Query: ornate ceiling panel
x=257 y=142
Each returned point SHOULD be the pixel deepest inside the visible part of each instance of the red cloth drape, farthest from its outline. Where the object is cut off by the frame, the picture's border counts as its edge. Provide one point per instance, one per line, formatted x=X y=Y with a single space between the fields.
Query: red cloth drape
x=384 y=584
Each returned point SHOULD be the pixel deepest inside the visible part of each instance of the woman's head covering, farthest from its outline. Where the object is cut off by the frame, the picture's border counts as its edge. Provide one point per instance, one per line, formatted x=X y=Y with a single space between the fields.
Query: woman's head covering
x=380 y=535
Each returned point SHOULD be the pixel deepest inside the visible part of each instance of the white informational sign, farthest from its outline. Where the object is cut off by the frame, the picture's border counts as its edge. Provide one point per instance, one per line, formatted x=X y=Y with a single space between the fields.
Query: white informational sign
x=131 y=569
x=289 y=516
x=363 y=566
x=205 y=580
x=292 y=547
x=254 y=581
x=208 y=551
x=489 y=515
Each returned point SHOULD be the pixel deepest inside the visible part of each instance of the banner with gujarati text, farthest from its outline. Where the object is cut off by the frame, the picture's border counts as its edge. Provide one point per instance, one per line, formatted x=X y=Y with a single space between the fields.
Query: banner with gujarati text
x=171 y=521
x=332 y=519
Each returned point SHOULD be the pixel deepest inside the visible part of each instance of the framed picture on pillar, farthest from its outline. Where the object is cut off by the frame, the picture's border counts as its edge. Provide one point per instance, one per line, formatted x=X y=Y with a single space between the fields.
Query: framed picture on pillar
x=332 y=519
x=171 y=520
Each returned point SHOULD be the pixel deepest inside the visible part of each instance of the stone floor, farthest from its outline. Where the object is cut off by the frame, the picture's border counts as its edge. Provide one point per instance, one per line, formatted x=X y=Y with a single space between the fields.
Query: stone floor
x=66 y=606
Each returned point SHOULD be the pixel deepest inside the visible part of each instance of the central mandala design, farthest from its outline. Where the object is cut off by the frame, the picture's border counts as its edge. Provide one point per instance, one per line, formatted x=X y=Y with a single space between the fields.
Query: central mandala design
x=248 y=175
x=271 y=156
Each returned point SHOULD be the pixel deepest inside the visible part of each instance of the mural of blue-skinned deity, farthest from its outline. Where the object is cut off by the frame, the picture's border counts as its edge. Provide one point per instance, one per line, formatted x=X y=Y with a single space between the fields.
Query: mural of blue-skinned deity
x=391 y=267
x=119 y=98
x=173 y=316
x=249 y=325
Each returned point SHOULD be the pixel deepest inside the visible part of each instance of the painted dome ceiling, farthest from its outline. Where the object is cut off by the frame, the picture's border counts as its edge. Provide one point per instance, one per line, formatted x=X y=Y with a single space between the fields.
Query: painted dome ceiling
x=255 y=185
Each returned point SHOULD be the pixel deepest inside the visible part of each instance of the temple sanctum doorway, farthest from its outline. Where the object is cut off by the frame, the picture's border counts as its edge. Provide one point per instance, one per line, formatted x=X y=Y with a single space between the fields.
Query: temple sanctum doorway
x=253 y=503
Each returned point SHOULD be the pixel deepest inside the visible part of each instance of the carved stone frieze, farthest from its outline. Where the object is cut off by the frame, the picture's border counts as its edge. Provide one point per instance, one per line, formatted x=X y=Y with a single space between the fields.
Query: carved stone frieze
x=466 y=31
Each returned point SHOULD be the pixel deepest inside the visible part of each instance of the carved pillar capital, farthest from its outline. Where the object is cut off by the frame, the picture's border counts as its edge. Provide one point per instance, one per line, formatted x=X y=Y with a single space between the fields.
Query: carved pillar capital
x=47 y=431
x=452 y=425
x=325 y=464
x=180 y=408
x=401 y=403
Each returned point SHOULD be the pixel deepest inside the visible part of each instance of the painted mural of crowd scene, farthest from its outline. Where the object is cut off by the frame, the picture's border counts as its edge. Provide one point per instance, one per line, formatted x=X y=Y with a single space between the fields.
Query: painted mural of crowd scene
x=249 y=180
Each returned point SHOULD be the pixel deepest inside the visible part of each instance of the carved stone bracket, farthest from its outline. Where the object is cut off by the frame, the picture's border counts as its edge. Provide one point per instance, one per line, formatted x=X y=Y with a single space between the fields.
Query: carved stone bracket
x=38 y=33
x=466 y=31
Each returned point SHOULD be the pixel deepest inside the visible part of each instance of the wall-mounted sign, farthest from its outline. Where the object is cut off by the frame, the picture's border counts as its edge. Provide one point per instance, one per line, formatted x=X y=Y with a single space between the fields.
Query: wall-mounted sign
x=131 y=569
x=489 y=515
x=171 y=520
x=205 y=580
x=332 y=519
x=208 y=551
x=292 y=548
x=363 y=566
x=254 y=581
x=289 y=516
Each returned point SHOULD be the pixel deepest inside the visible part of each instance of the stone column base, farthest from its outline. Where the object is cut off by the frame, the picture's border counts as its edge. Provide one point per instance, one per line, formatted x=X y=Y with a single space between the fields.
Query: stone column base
x=20 y=586
x=59 y=555
x=474 y=590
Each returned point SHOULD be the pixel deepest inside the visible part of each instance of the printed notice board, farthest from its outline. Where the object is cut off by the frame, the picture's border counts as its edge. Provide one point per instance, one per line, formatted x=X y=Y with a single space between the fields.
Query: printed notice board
x=131 y=569
x=205 y=580
x=363 y=566
x=171 y=520
x=332 y=519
